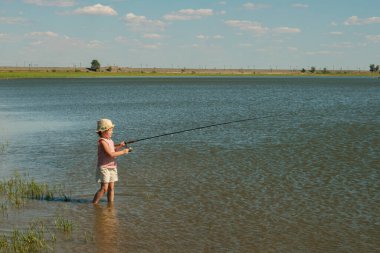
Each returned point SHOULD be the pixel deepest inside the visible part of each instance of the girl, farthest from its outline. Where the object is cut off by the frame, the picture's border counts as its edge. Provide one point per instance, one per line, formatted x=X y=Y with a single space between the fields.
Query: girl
x=107 y=166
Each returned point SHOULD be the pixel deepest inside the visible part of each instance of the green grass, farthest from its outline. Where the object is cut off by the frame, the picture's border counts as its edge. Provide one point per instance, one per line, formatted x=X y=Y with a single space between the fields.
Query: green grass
x=64 y=225
x=71 y=73
x=17 y=190
x=34 y=239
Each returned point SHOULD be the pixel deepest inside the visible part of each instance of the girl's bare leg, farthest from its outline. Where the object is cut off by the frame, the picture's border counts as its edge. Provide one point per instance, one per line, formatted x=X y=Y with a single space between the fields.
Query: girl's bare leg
x=99 y=194
x=111 y=192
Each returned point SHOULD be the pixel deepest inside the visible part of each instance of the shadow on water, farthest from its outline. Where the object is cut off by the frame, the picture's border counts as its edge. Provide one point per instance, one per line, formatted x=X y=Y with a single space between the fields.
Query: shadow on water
x=69 y=200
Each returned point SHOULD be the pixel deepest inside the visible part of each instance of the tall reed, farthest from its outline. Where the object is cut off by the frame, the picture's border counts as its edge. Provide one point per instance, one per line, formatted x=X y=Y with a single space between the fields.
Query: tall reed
x=18 y=189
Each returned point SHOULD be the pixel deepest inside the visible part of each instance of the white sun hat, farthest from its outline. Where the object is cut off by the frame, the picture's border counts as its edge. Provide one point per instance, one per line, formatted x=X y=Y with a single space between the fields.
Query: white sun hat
x=104 y=125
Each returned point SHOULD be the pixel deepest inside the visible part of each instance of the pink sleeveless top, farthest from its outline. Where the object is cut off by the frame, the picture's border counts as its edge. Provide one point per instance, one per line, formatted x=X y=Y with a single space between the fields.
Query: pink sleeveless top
x=104 y=160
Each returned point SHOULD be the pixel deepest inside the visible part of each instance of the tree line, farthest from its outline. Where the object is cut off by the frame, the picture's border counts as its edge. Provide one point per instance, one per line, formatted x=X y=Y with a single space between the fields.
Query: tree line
x=95 y=66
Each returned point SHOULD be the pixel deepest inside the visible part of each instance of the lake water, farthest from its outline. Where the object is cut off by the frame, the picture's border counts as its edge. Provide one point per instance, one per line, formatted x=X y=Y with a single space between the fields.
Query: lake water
x=302 y=176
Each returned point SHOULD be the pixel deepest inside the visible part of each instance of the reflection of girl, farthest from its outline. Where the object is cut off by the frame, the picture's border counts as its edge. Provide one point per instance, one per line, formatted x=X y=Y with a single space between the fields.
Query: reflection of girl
x=105 y=229
x=107 y=166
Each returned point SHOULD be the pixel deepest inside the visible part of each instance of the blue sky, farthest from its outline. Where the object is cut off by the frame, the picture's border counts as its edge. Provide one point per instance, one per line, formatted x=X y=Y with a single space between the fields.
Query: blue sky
x=277 y=34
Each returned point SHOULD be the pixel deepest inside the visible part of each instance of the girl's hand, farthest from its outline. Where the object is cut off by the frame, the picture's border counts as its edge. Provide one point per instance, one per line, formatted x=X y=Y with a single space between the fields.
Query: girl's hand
x=127 y=150
x=122 y=144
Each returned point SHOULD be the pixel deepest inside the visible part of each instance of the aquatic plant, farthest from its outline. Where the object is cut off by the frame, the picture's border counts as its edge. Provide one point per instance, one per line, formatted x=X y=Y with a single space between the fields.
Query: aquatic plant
x=64 y=225
x=14 y=193
x=4 y=208
x=31 y=240
x=18 y=189
x=3 y=146
x=88 y=236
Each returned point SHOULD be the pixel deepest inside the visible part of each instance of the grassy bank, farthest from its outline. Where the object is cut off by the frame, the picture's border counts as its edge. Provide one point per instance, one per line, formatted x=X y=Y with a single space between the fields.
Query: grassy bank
x=11 y=73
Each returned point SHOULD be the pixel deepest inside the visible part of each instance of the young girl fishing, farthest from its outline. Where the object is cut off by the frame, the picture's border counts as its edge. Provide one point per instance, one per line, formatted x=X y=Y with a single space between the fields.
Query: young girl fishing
x=107 y=167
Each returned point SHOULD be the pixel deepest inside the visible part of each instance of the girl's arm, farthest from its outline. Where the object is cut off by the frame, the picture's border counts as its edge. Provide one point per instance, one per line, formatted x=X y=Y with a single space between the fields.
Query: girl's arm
x=120 y=145
x=117 y=152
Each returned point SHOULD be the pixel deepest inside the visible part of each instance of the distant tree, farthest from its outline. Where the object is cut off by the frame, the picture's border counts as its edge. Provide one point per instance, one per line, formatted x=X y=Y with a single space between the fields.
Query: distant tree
x=325 y=71
x=374 y=68
x=303 y=70
x=95 y=65
x=312 y=69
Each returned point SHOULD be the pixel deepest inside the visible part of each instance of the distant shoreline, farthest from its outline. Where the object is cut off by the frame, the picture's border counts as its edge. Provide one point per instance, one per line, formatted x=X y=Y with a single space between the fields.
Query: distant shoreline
x=73 y=72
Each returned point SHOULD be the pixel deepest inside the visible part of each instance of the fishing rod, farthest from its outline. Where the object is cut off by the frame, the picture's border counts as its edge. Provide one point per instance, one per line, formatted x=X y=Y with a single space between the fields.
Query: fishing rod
x=200 y=127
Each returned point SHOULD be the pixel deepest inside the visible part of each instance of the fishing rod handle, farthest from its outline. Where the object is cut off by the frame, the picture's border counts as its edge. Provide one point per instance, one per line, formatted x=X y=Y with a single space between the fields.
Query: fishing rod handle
x=130 y=149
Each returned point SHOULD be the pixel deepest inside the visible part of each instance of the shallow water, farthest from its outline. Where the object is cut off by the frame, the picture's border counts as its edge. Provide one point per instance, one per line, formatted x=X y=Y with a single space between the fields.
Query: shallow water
x=303 y=176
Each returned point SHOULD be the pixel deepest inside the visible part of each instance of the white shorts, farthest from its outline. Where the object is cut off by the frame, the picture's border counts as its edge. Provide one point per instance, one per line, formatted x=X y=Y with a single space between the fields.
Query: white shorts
x=106 y=175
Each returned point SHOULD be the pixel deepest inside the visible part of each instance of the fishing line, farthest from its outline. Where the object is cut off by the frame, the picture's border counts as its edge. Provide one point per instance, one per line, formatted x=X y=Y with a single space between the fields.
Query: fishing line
x=204 y=127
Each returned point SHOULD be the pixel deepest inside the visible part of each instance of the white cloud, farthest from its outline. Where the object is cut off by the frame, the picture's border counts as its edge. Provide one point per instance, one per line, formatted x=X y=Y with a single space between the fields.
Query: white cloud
x=373 y=38
x=336 y=33
x=258 y=28
x=135 y=44
x=94 y=44
x=250 y=26
x=12 y=20
x=298 y=5
x=58 y=43
x=60 y=3
x=217 y=37
x=141 y=23
x=252 y=6
x=341 y=45
x=122 y=39
x=152 y=36
x=151 y=46
x=4 y=37
x=189 y=14
x=206 y=37
x=322 y=52
x=288 y=30
x=195 y=45
x=245 y=45
x=202 y=37
x=355 y=20
x=43 y=34
x=96 y=9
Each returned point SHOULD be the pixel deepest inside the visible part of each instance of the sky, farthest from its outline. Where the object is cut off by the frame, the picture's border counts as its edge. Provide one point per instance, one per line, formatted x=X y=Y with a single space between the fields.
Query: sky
x=272 y=34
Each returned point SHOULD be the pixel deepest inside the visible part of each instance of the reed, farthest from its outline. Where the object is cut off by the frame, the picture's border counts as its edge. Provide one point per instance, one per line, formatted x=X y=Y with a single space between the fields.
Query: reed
x=88 y=236
x=31 y=240
x=4 y=146
x=4 y=209
x=36 y=238
x=18 y=189
x=64 y=225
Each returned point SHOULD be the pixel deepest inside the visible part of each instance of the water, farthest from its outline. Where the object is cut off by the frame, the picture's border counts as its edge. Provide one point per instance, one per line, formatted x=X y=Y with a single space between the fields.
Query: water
x=302 y=177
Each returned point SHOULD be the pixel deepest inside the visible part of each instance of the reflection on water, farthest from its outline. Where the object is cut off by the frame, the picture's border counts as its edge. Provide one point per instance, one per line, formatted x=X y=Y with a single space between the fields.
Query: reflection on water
x=106 y=236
